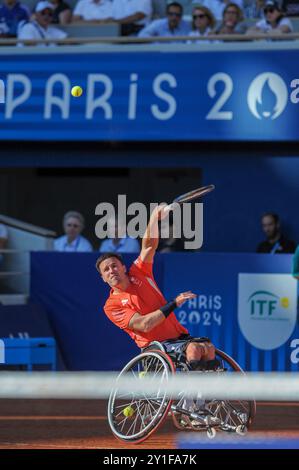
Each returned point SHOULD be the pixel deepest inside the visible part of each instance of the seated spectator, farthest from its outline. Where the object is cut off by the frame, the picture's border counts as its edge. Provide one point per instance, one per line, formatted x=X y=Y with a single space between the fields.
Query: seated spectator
x=62 y=13
x=12 y=13
x=73 y=241
x=232 y=21
x=203 y=22
x=295 y=271
x=117 y=244
x=133 y=15
x=3 y=240
x=39 y=27
x=172 y=25
x=290 y=7
x=97 y=11
x=275 y=242
x=274 y=22
x=217 y=6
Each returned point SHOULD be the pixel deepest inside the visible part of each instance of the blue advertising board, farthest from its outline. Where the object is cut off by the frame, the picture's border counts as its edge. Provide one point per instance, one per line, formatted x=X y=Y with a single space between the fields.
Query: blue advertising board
x=218 y=95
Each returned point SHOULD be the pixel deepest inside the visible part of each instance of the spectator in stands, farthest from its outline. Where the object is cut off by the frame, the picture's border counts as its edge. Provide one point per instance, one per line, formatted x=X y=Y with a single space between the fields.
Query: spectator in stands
x=97 y=11
x=291 y=7
x=203 y=22
x=132 y=15
x=172 y=25
x=217 y=6
x=12 y=13
x=274 y=22
x=3 y=240
x=62 y=13
x=232 y=21
x=275 y=242
x=39 y=27
x=73 y=241
x=116 y=243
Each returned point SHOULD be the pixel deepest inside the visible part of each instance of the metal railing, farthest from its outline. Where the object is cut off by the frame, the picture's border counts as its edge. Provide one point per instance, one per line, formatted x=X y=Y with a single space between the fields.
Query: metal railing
x=152 y=40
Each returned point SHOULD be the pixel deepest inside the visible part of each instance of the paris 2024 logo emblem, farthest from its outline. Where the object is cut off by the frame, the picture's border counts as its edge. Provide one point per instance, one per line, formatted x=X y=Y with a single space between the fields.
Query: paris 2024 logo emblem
x=267 y=96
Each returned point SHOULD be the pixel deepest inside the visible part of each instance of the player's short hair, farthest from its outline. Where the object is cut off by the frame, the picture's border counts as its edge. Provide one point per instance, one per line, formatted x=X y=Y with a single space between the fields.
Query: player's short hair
x=274 y=216
x=105 y=256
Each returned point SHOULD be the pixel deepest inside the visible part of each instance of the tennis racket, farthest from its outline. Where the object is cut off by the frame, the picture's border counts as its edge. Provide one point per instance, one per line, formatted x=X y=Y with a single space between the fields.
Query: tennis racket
x=190 y=196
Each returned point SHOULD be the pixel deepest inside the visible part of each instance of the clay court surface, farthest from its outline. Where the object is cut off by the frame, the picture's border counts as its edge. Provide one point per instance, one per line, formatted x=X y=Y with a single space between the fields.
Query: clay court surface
x=82 y=424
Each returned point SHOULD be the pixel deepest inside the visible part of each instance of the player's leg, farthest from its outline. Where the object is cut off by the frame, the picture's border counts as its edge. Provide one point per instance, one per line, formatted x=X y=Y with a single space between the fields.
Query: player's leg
x=200 y=351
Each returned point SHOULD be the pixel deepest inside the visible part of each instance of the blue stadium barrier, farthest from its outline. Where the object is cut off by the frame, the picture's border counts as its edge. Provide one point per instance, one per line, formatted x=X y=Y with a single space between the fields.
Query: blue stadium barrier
x=29 y=352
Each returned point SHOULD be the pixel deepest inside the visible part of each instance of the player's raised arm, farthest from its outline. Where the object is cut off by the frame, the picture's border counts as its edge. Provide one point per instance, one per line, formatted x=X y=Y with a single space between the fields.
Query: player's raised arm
x=150 y=239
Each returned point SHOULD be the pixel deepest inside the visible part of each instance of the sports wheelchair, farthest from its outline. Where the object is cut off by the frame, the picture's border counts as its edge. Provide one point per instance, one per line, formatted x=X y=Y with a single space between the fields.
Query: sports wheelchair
x=133 y=419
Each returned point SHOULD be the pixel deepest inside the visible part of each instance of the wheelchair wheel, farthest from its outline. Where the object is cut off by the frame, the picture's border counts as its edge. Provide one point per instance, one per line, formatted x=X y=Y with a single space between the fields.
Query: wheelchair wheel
x=230 y=416
x=234 y=415
x=134 y=418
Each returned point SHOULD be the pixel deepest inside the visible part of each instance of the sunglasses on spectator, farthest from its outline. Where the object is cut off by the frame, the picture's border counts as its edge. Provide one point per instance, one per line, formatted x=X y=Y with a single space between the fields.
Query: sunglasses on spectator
x=172 y=13
x=199 y=16
x=269 y=10
x=73 y=225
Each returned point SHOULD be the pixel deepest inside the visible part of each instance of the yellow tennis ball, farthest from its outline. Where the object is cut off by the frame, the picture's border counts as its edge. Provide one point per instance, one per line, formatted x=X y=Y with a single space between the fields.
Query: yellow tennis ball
x=128 y=411
x=142 y=374
x=284 y=302
x=77 y=91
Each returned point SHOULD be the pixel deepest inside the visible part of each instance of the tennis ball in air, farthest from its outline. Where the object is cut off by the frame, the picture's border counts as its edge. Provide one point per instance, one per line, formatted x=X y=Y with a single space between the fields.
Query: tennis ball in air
x=142 y=374
x=76 y=91
x=128 y=411
x=284 y=302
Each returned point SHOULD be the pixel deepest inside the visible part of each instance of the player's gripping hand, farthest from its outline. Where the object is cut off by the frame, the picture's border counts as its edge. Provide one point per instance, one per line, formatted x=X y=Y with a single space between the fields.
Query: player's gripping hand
x=183 y=297
x=159 y=213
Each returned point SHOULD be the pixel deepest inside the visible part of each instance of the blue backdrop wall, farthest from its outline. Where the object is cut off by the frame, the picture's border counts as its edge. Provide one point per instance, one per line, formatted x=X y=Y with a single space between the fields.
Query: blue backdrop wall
x=70 y=290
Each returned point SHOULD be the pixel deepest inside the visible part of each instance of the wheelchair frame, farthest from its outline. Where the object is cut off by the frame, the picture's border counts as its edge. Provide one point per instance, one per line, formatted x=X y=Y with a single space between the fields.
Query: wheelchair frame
x=133 y=420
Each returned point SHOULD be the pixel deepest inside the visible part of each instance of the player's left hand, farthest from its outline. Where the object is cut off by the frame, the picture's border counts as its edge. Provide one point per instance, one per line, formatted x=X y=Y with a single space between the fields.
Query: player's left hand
x=184 y=296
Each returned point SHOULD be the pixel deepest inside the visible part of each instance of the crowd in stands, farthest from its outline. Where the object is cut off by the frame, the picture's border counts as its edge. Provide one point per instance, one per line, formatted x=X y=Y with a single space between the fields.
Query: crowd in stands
x=118 y=241
x=138 y=17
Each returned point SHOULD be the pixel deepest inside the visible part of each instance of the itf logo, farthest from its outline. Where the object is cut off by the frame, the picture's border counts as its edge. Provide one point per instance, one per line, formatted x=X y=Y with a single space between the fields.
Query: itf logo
x=2 y=92
x=267 y=96
x=267 y=308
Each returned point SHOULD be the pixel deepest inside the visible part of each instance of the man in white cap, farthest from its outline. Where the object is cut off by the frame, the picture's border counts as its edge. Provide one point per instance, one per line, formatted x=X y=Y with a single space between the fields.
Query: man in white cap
x=40 y=27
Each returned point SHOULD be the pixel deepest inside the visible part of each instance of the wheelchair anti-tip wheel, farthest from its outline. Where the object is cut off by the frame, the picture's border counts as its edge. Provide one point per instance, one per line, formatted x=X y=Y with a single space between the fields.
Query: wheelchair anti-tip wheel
x=134 y=418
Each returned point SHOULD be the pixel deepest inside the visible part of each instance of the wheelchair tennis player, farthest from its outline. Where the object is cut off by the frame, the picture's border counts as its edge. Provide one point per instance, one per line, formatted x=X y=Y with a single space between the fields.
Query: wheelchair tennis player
x=137 y=306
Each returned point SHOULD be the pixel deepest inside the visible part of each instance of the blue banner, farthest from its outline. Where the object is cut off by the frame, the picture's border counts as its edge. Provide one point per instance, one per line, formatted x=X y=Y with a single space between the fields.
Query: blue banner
x=218 y=95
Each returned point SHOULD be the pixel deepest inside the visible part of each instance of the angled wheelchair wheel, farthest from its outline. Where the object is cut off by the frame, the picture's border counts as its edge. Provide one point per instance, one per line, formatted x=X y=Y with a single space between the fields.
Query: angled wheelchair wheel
x=231 y=416
x=134 y=418
x=234 y=415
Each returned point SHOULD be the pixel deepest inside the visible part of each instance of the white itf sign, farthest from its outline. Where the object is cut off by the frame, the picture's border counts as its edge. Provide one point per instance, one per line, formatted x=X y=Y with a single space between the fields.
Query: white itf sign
x=267 y=308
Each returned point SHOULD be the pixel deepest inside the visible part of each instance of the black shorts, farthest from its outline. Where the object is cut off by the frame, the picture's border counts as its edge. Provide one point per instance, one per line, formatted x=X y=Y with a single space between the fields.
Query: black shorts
x=179 y=345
